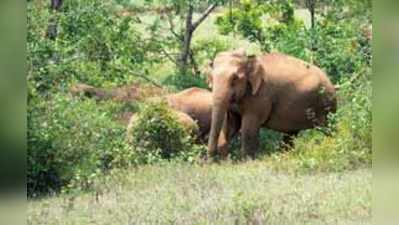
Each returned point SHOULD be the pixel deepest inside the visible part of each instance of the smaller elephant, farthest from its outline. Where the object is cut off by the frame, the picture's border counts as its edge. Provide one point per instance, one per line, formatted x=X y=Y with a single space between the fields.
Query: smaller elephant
x=194 y=105
x=182 y=118
x=197 y=103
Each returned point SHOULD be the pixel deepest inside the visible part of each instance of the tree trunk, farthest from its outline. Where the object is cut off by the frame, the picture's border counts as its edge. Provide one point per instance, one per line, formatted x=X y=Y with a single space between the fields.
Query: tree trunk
x=56 y=4
x=312 y=16
x=52 y=29
x=190 y=27
x=311 y=5
x=194 y=64
x=188 y=34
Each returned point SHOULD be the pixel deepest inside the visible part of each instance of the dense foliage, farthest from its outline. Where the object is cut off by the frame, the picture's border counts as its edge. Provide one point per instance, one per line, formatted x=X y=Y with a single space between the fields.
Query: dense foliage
x=73 y=140
x=68 y=139
x=338 y=43
x=156 y=134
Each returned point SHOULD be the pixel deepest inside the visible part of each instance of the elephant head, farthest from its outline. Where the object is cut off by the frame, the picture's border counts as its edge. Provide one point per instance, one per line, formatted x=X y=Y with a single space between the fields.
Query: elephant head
x=232 y=75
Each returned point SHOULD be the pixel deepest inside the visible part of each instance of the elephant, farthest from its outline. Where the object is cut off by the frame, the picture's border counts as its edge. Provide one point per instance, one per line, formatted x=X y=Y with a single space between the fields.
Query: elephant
x=182 y=118
x=128 y=93
x=195 y=105
x=272 y=90
x=193 y=102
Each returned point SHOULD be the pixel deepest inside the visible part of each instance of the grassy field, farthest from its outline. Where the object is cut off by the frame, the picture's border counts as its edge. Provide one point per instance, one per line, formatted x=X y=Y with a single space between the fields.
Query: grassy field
x=247 y=193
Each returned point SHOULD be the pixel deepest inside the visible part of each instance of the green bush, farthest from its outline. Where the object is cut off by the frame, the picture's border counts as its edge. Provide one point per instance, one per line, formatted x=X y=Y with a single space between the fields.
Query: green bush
x=156 y=134
x=70 y=142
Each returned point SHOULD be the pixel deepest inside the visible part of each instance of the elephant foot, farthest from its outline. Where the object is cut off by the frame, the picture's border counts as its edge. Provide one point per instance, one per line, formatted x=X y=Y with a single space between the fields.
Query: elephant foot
x=215 y=159
x=247 y=156
x=211 y=157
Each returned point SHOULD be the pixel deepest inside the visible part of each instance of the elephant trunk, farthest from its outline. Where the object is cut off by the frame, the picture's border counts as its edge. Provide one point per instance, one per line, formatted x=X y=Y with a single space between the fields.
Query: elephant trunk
x=218 y=115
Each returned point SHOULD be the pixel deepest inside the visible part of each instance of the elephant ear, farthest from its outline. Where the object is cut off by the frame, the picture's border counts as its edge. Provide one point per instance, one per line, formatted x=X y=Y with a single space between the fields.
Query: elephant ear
x=254 y=74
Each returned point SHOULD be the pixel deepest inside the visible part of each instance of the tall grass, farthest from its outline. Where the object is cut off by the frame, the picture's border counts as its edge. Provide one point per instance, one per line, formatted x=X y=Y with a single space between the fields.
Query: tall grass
x=247 y=193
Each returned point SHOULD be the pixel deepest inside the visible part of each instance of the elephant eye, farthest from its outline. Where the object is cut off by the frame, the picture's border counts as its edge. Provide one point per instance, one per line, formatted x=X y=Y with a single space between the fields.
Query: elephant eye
x=235 y=77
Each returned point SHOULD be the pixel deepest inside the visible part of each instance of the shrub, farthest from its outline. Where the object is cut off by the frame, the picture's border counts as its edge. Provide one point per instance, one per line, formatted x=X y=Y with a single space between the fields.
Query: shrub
x=156 y=134
x=70 y=142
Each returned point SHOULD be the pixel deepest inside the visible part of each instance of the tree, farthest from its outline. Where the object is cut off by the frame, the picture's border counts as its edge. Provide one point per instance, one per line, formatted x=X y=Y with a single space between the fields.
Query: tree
x=190 y=27
x=56 y=4
x=52 y=30
x=183 y=31
x=311 y=5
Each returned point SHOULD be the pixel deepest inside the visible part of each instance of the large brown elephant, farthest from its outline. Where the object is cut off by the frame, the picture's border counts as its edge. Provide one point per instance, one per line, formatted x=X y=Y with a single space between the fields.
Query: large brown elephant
x=273 y=90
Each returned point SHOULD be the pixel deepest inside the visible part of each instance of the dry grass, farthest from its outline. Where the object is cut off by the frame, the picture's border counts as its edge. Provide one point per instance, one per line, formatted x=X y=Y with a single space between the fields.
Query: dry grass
x=247 y=193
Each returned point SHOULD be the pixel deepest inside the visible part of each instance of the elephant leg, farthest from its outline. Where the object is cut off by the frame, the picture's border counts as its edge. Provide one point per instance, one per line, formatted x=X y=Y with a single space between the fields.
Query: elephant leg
x=249 y=136
x=223 y=141
x=234 y=125
x=223 y=145
x=254 y=115
x=231 y=126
